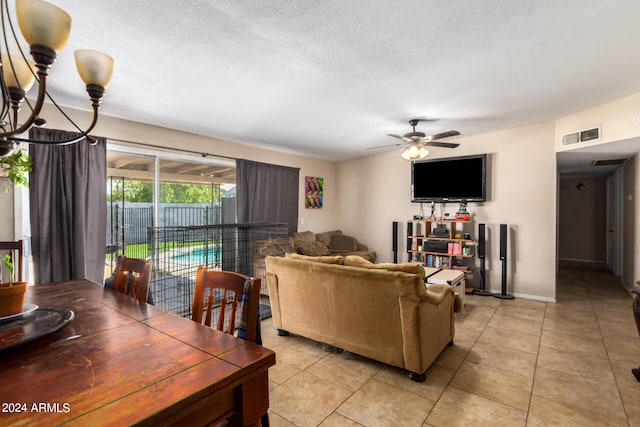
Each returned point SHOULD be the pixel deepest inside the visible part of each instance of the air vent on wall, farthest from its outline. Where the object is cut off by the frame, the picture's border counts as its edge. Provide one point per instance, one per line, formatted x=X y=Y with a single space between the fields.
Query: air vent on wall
x=608 y=162
x=581 y=136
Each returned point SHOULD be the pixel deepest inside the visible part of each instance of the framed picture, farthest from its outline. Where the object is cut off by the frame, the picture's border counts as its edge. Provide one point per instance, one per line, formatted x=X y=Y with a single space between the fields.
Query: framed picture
x=313 y=192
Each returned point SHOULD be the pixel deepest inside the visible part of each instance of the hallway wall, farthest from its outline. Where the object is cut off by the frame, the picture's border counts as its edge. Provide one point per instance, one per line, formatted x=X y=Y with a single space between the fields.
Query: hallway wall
x=582 y=224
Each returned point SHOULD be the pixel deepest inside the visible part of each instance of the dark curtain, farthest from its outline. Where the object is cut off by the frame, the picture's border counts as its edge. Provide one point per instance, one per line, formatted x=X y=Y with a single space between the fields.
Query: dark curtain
x=267 y=193
x=68 y=207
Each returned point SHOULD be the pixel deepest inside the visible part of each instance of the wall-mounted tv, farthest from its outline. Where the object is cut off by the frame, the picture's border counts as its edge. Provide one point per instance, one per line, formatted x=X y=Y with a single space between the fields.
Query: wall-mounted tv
x=451 y=179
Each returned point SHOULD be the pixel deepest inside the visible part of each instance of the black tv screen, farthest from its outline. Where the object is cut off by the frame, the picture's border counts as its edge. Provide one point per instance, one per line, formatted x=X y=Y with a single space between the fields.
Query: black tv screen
x=451 y=179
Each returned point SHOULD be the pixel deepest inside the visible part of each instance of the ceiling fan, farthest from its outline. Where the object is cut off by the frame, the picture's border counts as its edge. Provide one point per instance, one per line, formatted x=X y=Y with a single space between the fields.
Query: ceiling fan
x=417 y=141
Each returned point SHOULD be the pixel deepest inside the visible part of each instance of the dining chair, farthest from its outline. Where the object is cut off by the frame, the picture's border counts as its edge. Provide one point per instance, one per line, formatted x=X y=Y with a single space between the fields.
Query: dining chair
x=224 y=292
x=14 y=247
x=132 y=277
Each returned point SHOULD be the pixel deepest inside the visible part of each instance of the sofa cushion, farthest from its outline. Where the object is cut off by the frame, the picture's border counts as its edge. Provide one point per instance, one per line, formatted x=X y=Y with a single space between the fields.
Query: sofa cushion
x=335 y=259
x=300 y=240
x=315 y=249
x=343 y=243
x=407 y=267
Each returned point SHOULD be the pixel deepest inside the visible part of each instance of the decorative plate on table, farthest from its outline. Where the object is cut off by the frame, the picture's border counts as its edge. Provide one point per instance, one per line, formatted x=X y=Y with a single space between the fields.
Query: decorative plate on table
x=26 y=308
x=33 y=325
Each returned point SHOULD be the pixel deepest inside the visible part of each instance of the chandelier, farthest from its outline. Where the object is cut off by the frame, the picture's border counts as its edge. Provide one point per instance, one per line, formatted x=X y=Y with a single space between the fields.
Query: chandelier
x=45 y=29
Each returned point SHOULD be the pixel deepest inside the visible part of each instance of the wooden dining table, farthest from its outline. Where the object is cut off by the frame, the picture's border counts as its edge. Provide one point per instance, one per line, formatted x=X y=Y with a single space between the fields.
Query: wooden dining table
x=124 y=362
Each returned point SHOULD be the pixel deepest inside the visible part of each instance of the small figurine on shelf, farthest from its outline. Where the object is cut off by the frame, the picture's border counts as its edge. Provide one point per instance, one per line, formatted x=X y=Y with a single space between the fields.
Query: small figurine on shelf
x=433 y=209
x=463 y=214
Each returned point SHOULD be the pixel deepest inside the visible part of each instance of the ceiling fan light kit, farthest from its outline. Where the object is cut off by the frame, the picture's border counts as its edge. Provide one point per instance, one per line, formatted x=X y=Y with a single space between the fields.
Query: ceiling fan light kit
x=45 y=28
x=416 y=142
x=414 y=152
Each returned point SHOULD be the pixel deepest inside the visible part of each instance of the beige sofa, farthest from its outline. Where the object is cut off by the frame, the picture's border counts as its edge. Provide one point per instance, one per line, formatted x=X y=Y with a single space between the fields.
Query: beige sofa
x=328 y=243
x=380 y=311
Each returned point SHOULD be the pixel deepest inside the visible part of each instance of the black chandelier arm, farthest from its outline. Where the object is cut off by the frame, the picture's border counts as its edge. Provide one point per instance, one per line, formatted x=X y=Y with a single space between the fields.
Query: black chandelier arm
x=42 y=91
x=79 y=137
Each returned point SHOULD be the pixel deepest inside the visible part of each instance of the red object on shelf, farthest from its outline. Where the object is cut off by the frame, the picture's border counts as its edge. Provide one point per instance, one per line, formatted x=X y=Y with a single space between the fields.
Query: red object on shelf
x=463 y=216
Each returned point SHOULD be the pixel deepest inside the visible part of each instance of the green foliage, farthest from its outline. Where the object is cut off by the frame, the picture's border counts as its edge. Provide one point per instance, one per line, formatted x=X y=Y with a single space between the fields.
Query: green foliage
x=188 y=193
x=9 y=264
x=18 y=166
x=134 y=191
x=139 y=191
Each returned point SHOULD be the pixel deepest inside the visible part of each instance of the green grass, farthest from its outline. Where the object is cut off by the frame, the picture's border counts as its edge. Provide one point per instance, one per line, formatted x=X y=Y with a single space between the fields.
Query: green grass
x=137 y=251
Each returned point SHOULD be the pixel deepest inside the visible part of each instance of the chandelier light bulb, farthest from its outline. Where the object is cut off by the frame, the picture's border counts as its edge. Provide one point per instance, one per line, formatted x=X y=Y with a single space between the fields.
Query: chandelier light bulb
x=17 y=73
x=43 y=24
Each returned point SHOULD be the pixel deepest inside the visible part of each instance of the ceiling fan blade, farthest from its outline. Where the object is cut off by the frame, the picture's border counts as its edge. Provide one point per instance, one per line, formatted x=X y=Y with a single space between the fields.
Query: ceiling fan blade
x=404 y=138
x=442 y=144
x=446 y=134
x=384 y=146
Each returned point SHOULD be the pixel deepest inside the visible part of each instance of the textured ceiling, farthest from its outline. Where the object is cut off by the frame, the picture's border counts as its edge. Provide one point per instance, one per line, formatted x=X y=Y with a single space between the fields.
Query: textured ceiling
x=330 y=79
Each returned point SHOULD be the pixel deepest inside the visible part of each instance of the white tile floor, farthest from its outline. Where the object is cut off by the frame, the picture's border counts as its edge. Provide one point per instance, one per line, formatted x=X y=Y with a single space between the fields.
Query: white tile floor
x=514 y=363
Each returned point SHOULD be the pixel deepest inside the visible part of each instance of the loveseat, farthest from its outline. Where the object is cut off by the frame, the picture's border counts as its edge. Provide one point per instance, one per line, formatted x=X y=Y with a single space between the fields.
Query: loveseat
x=380 y=311
x=329 y=243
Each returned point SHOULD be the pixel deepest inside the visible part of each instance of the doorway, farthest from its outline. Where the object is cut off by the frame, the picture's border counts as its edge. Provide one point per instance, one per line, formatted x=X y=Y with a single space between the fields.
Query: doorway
x=590 y=203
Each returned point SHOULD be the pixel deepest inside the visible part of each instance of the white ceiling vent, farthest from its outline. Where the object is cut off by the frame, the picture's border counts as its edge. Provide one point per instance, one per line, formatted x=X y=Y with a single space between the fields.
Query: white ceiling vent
x=581 y=136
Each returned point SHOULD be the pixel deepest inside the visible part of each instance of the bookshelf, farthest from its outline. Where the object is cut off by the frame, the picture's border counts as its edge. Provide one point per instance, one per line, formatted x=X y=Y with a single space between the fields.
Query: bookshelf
x=439 y=243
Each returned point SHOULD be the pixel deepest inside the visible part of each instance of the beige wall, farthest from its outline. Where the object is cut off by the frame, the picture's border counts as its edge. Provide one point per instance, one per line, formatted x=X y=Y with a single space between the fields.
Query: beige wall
x=582 y=219
x=374 y=192
x=619 y=121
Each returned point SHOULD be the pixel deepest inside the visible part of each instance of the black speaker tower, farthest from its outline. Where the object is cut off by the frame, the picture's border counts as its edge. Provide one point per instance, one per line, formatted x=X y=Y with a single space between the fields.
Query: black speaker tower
x=482 y=254
x=394 y=243
x=409 y=240
x=503 y=258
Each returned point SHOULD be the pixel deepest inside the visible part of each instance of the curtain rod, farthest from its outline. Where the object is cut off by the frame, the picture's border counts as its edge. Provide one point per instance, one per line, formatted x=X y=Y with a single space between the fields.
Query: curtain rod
x=144 y=144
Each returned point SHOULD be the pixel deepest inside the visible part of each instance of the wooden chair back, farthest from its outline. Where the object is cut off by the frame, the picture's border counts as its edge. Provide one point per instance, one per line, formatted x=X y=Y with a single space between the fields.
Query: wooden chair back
x=14 y=247
x=231 y=290
x=132 y=278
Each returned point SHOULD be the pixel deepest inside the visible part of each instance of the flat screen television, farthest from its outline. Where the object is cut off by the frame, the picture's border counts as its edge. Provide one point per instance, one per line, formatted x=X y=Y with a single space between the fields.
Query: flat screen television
x=452 y=179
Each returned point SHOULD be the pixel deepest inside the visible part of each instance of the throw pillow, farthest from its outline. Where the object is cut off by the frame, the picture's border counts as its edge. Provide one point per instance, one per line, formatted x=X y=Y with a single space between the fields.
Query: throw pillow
x=300 y=240
x=315 y=249
x=407 y=267
x=336 y=259
x=357 y=261
x=325 y=237
x=343 y=243
x=272 y=249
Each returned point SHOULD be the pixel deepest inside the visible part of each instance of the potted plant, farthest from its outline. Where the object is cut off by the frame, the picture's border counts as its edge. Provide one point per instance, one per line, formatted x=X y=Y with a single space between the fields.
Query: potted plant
x=11 y=293
x=17 y=167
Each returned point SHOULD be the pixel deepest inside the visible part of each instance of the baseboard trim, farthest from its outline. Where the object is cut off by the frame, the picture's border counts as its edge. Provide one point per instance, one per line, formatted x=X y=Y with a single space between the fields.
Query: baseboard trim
x=534 y=297
x=526 y=296
x=583 y=260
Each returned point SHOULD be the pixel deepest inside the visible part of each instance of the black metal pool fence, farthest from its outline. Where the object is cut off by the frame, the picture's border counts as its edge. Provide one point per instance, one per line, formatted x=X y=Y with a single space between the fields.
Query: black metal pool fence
x=178 y=251
x=128 y=225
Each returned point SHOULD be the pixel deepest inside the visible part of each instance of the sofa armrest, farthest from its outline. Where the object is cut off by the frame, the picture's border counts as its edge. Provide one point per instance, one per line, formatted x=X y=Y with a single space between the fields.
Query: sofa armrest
x=274 y=299
x=362 y=247
x=427 y=324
